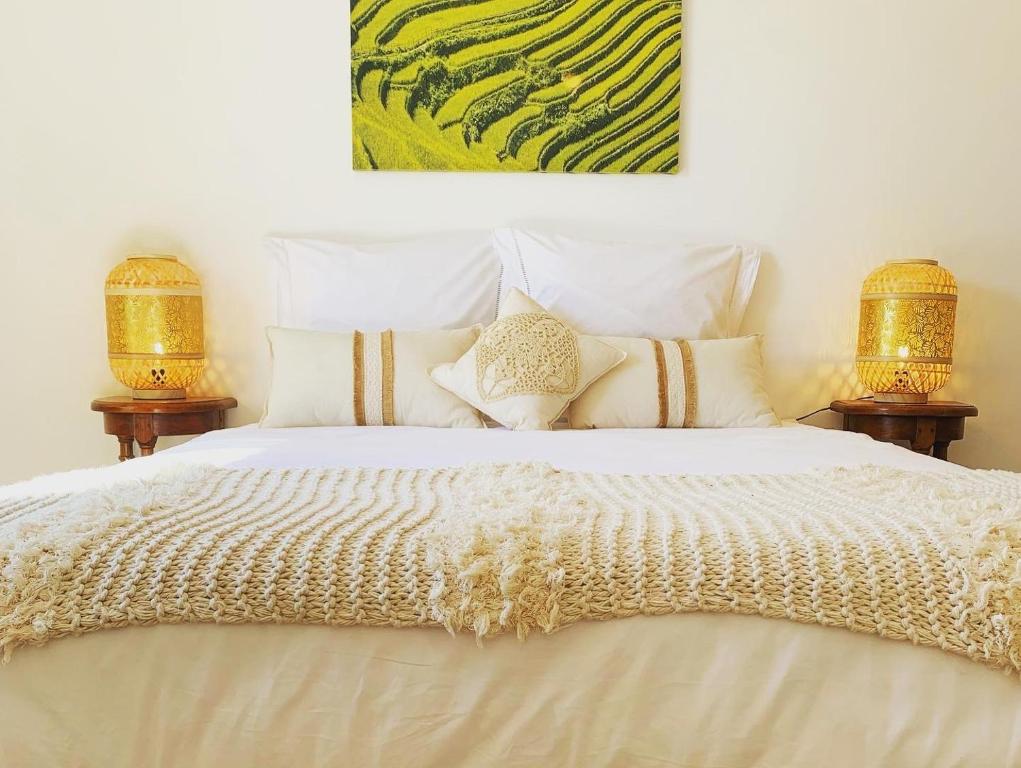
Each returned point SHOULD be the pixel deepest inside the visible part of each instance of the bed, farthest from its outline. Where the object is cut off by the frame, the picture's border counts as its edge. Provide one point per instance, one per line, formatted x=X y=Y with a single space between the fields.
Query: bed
x=675 y=579
x=691 y=689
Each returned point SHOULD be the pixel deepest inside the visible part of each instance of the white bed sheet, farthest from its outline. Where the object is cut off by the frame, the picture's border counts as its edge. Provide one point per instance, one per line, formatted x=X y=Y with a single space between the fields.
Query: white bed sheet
x=693 y=690
x=793 y=448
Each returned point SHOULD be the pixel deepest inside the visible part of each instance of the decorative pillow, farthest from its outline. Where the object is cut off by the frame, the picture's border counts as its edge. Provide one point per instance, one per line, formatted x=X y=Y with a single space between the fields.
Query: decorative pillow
x=440 y=281
x=527 y=366
x=364 y=379
x=661 y=291
x=716 y=383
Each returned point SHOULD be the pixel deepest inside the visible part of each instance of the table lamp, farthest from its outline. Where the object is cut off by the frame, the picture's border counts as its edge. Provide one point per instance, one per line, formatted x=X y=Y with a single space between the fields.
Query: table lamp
x=906 y=330
x=154 y=326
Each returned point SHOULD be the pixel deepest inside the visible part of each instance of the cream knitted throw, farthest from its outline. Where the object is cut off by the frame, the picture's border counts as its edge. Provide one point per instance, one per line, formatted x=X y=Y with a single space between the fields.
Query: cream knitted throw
x=934 y=559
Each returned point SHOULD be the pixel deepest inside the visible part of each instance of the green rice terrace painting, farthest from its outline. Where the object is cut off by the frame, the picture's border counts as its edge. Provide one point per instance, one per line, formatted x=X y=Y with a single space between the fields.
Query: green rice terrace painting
x=579 y=86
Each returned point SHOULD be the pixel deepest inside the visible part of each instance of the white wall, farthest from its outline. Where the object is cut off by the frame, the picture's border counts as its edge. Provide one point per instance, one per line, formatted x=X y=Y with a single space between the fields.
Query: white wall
x=835 y=134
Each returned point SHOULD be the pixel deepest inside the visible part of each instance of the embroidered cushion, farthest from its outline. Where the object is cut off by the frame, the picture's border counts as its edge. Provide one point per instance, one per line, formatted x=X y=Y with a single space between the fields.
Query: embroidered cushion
x=527 y=367
x=364 y=379
x=679 y=384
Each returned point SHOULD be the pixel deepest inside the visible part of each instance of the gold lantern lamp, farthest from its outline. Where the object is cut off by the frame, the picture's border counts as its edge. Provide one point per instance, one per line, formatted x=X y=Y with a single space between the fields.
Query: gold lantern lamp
x=154 y=326
x=906 y=330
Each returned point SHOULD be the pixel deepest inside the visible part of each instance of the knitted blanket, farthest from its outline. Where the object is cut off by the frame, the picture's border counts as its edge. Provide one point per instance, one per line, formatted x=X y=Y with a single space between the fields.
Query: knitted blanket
x=930 y=558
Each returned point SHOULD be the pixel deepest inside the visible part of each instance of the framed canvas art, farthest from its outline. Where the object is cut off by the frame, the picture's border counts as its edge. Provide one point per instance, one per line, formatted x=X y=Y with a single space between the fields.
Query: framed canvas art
x=576 y=86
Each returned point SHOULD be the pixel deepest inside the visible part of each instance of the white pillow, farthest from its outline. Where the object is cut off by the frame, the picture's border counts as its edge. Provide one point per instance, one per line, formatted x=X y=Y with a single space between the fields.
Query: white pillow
x=613 y=289
x=667 y=383
x=440 y=281
x=364 y=379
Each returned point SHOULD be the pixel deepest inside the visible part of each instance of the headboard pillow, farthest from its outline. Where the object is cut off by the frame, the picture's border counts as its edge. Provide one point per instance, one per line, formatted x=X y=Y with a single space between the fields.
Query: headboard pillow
x=435 y=282
x=364 y=379
x=526 y=367
x=676 y=383
x=614 y=289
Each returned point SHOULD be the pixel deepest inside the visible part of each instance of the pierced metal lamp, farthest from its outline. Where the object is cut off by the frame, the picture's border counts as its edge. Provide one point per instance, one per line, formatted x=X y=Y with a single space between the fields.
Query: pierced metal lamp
x=906 y=330
x=154 y=326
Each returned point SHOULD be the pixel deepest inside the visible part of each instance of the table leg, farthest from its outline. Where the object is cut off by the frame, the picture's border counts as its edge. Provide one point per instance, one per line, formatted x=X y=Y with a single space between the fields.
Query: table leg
x=127 y=443
x=145 y=433
x=939 y=449
x=925 y=435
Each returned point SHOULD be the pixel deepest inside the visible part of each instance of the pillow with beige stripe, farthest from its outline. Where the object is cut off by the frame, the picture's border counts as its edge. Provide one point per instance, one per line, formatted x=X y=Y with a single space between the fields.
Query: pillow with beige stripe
x=364 y=379
x=679 y=383
x=527 y=366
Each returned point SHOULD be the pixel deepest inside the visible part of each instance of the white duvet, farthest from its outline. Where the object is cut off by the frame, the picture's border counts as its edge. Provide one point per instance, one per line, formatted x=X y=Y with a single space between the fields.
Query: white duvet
x=712 y=691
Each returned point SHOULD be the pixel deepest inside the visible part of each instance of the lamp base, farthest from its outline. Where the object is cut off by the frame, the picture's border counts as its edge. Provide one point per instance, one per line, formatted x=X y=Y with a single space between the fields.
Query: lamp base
x=901 y=397
x=159 y=394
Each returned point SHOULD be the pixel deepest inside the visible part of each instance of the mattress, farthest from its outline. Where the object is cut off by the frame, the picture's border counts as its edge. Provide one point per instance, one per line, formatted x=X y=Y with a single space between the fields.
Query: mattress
x=688 y=690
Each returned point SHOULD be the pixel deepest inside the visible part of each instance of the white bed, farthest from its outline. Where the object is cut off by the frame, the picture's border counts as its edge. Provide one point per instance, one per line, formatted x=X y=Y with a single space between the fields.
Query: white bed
x=712 y=691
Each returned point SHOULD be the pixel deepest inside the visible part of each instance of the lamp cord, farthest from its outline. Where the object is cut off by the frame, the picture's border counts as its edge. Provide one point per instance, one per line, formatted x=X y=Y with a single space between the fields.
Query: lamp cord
x=826 y=408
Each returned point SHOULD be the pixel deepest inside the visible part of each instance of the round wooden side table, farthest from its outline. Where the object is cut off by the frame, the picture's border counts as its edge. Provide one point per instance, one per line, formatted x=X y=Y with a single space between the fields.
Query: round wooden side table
x=926 y=427
x=144 y=421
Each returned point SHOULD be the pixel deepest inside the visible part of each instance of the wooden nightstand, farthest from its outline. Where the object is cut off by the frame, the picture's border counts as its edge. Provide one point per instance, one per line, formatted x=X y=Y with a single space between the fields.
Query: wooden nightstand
x=926 y=427
x=146 y=420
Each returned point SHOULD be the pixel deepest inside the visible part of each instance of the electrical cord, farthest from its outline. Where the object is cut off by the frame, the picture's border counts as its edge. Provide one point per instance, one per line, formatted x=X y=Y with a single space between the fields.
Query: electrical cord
x=826 y=408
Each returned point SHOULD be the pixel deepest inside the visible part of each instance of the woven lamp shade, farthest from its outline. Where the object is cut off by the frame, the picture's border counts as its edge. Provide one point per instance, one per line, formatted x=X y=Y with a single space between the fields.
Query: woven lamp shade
x=906 y=330
x=154 y=326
